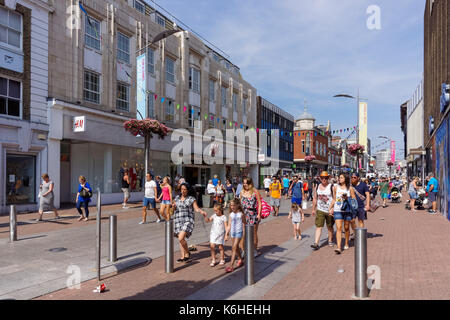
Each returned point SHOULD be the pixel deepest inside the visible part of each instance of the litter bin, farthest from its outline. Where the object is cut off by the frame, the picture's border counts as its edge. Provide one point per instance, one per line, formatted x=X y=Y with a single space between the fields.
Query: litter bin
x=199 y=192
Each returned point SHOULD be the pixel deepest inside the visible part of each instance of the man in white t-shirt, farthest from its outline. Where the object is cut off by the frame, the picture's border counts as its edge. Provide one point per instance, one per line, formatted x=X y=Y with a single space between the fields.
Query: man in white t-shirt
x=267 y=183
x=149 y=198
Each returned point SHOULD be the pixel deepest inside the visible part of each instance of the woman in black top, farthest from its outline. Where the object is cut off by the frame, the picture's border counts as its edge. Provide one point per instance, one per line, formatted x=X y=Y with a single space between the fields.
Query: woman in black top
x=125 y=189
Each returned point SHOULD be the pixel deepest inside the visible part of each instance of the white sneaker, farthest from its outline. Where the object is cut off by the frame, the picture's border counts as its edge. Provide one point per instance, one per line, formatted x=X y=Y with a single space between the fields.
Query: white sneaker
x=158 y=221
x=346 y=247
x=125 y=207
x=142 y=222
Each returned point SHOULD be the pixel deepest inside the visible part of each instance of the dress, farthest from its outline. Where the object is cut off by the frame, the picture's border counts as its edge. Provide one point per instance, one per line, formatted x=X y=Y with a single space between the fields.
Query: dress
x=250 y=206
x=184 y=216
x=217 y=235
x=46 y=203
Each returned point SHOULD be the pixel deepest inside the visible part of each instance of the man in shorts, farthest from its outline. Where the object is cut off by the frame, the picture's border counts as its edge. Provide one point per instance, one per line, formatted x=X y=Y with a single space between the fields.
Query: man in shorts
x=432 y=189
x=323 y=209
x=150 y=198
x=384 y=190
x=363 y=198
x=275 y=195
x=267 y=182
x=286 y=183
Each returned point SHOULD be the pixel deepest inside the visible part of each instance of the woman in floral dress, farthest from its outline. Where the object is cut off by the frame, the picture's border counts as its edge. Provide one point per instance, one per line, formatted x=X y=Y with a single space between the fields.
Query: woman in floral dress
x=184 y=206
x=251 y=203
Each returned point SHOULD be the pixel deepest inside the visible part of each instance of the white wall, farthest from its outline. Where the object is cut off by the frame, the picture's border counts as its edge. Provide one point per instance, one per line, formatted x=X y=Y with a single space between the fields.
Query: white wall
x=415 y=128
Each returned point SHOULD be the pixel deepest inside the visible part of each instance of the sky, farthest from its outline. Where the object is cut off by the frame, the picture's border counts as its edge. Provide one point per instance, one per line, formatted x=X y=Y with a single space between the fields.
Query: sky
x=296 y=50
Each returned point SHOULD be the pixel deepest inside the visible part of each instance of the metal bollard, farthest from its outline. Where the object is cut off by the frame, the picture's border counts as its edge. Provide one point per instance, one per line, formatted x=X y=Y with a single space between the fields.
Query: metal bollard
x=169 y=245
x=112 y=238
x=361 y=289
x=99 y=233
x=12 y=224
x=249 y=255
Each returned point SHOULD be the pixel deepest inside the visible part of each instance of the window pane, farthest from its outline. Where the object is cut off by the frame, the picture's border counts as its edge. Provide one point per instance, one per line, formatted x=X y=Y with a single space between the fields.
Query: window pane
x=2 y=105
x=3 y=16
x=21 y=179
x=14 y=38
x=3 y=86
x=14 y=21
x=14 y=89
x=3 y=37
x=14 y=108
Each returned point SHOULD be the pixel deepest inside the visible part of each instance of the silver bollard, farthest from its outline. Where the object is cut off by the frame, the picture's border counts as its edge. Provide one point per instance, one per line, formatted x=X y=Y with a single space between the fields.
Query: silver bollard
x=249 y=255
x=112 y=238
x=361 y=289
x=99 y=233
x=12 y=224
x=169 y=246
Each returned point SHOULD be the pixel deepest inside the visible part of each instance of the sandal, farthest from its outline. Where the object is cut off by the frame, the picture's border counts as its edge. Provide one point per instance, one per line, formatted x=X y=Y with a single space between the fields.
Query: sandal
x=338 y=251
x=213 y=263
x=229 y=269
x=239 y=264
x=331 y=244
x=222 y=262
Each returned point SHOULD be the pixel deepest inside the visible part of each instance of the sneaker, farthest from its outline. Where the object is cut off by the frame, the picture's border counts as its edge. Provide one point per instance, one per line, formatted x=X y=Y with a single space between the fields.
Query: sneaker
x=125 y=207
x=158 y=221
x=315 y=246
x=432 y=212
x=346 y=247
x=142 y=222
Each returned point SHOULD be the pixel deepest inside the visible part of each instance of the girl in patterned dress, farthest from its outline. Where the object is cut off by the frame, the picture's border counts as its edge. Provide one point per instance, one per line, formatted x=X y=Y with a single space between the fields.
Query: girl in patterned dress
x=185 y=206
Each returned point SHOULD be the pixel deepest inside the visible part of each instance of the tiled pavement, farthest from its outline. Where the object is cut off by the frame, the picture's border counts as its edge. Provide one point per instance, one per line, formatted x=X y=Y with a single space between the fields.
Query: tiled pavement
x=410 y=249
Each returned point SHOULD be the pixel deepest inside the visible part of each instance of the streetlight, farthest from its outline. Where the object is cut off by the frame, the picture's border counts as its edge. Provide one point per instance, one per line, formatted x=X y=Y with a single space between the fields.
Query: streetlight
x=358 y=100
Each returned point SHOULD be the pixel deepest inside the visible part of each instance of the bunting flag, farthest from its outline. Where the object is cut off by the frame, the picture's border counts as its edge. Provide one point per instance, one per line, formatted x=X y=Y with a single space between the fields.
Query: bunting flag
x=85 y=12
x=178 y=106
x=156 y=96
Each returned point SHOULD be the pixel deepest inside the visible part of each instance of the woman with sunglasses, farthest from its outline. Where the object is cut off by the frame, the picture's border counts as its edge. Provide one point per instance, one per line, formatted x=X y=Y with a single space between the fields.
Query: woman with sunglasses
x=251 y=203
x=341 y=195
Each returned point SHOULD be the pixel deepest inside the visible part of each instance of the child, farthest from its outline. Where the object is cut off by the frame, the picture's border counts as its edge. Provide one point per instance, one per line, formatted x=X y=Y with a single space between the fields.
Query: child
x=294 y=214
x=217 y=235
x=235 y=228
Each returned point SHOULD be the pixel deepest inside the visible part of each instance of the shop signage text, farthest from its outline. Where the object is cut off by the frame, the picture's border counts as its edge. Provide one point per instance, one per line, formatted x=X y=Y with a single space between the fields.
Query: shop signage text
x=79 y=124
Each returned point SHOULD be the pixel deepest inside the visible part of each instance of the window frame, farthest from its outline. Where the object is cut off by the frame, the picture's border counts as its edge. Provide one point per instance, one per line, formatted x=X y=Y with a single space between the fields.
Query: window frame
x=244 y=105
x=127 y=86
x=89 y=90
x=151 y=66
x=223 y=96
x=8 y=97
x=87 y=35
x=192 y=72
x=169 y=105
x=159 y=18
x=212 y=94
x=151 y=102
x=121 y=51
x=235 y=102
x=141 y=4
x=168 y=71
x=7 y=27
x=193 y=116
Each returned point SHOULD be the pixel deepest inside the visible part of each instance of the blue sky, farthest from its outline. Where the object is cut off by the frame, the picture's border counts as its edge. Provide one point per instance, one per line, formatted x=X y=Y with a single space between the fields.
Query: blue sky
x=291 y=50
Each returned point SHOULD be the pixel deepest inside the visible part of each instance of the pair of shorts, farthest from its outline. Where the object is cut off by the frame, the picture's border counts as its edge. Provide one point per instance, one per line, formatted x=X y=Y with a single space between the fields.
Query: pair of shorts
x=321 y=217
x=236 y=235
x=165 y=202
x=361 y=214
x=284 y=191
x=126 y=192
x=384 y=196
x=413 y=195
x=274 y=202
x=432 y=196
x=296 y=223
x=346 y=216
x=297 y=201
x=150 y=201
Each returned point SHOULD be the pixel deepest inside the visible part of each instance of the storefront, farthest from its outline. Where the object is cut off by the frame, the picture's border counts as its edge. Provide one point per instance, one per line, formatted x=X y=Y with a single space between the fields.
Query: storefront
x=23 y=159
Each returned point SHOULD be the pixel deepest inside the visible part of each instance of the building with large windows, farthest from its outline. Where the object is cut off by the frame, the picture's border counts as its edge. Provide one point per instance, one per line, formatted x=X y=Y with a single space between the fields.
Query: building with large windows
x=23 y=107
x=93 y=91
x=275 y=121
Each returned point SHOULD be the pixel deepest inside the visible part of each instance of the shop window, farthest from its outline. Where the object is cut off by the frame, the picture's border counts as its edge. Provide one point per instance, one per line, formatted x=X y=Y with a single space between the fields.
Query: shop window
x=20 y=179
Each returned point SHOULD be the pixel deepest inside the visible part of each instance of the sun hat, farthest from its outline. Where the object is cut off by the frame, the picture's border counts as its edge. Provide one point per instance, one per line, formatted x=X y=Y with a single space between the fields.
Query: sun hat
x=324 y=174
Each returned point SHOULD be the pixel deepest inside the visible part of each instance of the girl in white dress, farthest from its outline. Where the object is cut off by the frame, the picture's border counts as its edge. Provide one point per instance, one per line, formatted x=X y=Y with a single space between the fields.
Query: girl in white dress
x=217 y=235
x=297 y=216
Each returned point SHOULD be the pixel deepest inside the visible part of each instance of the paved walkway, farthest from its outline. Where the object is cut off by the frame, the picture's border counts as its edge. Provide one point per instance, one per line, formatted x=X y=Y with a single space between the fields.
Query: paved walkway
x=409 y=249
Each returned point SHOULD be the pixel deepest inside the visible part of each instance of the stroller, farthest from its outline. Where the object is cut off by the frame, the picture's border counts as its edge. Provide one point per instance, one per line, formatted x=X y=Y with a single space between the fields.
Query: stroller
x=420 y=202
x=395 y=195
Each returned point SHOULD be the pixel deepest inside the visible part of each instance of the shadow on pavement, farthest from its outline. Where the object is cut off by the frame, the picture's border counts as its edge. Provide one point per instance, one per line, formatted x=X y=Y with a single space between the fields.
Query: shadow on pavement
x=41 y=236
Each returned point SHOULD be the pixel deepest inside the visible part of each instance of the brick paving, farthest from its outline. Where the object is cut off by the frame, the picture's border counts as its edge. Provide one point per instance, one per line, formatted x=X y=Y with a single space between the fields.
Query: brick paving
x=411 y=250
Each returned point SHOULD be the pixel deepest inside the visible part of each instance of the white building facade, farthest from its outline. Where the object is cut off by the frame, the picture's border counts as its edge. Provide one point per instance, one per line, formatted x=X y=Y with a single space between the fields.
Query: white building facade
x=24 y=123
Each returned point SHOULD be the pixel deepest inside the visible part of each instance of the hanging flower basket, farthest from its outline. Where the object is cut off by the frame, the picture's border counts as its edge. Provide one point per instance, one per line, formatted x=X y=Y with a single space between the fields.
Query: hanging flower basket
x=309 y=159
x=146 y=127
x=355 y=149
x=389 y=163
